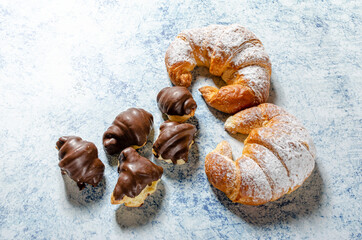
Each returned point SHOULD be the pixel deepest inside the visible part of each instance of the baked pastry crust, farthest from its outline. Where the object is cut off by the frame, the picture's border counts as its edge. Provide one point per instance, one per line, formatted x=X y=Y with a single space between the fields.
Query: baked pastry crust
x=138 y=200
x=138 y=178
x=232 y=52
x=278 y=156
x=183 y=118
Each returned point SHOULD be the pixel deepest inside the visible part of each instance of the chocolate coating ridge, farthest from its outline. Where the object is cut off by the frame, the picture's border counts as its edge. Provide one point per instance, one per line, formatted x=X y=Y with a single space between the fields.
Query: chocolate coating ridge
x=130 y=128
x=174 y=141
x=176 y=101
x=135 y=173
x=79 y=159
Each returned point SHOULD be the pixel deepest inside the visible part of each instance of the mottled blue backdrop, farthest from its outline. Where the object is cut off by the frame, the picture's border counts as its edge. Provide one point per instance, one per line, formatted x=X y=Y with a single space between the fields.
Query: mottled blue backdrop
x=69 y=67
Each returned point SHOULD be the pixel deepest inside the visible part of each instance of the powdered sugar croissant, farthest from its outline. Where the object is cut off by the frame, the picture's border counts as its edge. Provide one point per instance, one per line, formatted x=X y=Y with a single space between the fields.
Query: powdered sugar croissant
x=232 y=52
x=278 y=156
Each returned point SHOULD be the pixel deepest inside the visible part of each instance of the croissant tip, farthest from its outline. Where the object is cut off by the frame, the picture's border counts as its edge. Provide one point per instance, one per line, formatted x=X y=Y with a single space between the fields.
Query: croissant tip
x=206 y=89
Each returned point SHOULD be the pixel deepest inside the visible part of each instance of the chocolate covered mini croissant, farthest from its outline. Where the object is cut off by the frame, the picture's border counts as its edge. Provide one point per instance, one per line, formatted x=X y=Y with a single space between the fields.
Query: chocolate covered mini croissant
x=79 y=159
x=177 y=103
x=174 y=142
x=232 y=52
x=138 y=178
x=278 y=156
x=130 y=129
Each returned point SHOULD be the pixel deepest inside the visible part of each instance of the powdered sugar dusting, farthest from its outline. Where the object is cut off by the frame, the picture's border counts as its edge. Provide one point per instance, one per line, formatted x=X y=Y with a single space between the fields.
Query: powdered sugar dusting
x=241 y=124
x=254 y=184
x=285 y=140
x=257 y=79
x=254 y=53
x=179 y=51
x=226 y=168
x=292 y=124
x=196 y=39
x=225 y=50
x=221 y=170
x=278 y=155
x=233 y=38
x=255 y=117
x=212 y=38
x=230 y=43
x=272 y=167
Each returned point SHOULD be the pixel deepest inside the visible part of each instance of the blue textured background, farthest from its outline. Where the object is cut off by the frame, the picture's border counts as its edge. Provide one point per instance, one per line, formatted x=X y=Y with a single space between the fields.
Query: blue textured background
x=69 y=67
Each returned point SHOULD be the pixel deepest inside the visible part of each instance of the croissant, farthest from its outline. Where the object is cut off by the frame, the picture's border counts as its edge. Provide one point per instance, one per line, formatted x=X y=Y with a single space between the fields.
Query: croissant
x=174 y=142
x=130 y=129
x=138 y=178
x=177 y=103
x=232 y=52
x=278 y=156
x=79 y=160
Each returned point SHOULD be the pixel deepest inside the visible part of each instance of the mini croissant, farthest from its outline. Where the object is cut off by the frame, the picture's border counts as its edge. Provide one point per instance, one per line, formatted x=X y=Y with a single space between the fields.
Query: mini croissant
x=130 y=129
x=177 y=103
x=138 y=178
x=278 y=156
x=79 y=159
x=232 y=52
x=174 y=142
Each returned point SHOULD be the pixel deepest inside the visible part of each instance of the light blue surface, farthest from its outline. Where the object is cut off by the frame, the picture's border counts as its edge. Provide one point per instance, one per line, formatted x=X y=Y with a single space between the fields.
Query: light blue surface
x=69 y=67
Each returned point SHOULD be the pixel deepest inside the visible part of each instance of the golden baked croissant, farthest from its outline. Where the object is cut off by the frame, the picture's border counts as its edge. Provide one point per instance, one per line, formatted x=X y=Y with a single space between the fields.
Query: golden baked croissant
x=232 y=52
x=278 y=156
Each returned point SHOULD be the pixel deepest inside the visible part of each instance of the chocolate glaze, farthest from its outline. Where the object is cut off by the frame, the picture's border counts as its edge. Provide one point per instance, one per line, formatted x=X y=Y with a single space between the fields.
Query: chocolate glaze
x=79 y=159
x=174 y=141
x=176 y=101
x=135 y=173
x=130 y=128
